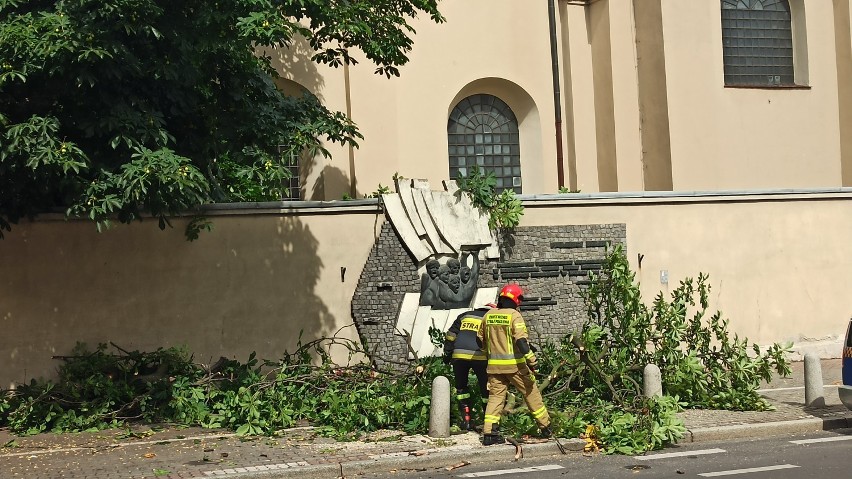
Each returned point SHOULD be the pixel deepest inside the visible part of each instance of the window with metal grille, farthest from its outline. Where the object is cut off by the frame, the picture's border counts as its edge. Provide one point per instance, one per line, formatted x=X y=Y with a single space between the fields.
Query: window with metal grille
x=757 y=39
x=292 y=187
x=483 y=131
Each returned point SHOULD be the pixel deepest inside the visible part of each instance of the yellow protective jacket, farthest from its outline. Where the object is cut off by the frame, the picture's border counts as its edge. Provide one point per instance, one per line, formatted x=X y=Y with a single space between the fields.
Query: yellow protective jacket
x=499 y=333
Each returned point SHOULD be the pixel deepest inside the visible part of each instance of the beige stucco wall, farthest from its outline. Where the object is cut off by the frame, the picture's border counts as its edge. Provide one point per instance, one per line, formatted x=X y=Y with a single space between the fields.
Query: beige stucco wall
x=843 y=46
x=778 y=265
x=500 y=47
x=618 y=132
x=578 y=99
x=628 y=141
x=252 y=284
x=653 y=96
x=618 y=129
x=732 y=138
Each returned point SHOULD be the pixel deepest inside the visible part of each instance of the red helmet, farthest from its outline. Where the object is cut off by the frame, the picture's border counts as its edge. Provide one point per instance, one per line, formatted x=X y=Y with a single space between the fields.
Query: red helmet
x=513 y=292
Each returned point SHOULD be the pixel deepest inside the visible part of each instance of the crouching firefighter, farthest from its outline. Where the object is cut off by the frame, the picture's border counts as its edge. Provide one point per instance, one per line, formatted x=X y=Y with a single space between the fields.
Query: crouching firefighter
x=503 y=335
x=462 y=348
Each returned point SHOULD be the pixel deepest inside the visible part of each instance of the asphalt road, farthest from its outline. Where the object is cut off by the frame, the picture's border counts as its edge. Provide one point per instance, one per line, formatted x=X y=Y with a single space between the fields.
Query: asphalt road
x=824 y=455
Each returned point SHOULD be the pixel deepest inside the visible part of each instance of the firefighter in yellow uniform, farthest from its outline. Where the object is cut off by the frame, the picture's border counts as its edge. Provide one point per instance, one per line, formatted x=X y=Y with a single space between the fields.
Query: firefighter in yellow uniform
x=503 y=335
x=461 y=348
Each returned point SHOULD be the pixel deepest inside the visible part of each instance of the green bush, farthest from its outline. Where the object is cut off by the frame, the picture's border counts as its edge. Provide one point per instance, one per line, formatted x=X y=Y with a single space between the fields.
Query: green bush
x=700 y=361
x=99 y=389
x=592 y=381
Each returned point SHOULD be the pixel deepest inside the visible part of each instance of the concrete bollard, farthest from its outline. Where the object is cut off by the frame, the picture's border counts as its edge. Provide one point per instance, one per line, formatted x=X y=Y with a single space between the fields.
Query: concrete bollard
x=439 y=408
x=814 y=395
x=652 y=382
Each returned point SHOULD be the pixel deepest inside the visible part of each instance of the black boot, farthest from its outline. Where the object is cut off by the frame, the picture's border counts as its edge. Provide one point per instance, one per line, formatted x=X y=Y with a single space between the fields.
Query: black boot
x=545 y=432
x=494 y=437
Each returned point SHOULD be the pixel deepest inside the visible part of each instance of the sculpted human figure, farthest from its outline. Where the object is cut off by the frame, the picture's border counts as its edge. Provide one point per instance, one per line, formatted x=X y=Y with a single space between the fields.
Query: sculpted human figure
x=457 y=294
x=449 y=297
x=453 y=265
x=454 y=284
x=444 y=274
x=464 y=274
x=430 y=285
x=450 y=285
x=430 y=275
x=469 y=279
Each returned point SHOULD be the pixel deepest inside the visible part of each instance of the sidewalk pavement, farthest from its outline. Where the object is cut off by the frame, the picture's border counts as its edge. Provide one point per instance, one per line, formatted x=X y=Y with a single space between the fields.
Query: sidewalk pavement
x=194 y=452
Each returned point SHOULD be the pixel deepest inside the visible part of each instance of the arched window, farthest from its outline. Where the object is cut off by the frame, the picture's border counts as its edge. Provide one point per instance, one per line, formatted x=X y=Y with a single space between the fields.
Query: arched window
x=483 y=131
x=757 y=38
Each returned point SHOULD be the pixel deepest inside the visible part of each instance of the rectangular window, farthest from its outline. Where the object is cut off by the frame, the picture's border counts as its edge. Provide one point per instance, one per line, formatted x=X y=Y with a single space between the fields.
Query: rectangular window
x=757 y=47
x=292 y=188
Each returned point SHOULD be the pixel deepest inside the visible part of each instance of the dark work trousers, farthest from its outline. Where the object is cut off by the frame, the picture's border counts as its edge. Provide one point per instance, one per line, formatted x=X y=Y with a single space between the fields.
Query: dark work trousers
x=461 y=371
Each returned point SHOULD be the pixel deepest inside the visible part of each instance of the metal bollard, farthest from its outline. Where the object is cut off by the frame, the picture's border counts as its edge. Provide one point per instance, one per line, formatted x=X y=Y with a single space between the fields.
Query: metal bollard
x=439 y=408
x=814 y=395
x=652 y=383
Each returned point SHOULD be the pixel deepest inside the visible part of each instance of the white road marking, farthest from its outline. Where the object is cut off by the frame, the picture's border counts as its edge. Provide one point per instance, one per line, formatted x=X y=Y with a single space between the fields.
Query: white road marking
x=822 y=439
x=49 y=451
x=547 y=467
x=747 y=471
x=792 y=388
x=667 y=455
x=263 y=468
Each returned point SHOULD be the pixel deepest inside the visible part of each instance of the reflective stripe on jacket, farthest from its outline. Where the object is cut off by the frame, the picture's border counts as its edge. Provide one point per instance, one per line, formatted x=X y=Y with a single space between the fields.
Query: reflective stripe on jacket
x=460 y=340
x=499 y=331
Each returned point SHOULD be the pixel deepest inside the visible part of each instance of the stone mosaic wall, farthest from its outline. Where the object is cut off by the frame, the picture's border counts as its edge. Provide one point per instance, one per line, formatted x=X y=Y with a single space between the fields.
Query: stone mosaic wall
x=551 y=263
x=389 y=273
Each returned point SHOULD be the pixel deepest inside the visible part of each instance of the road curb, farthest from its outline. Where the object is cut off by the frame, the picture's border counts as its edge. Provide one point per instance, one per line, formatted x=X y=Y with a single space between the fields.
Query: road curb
x=430 y=459
x=478 y=455
x=744 y=431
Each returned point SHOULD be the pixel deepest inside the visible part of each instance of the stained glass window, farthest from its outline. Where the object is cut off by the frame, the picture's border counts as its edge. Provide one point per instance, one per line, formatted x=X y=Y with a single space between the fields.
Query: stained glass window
x=483 y=131
x=757 y=39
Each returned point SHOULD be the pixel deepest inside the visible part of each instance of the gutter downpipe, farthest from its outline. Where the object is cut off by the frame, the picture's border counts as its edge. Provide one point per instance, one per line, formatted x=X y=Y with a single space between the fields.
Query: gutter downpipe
x=557 y=96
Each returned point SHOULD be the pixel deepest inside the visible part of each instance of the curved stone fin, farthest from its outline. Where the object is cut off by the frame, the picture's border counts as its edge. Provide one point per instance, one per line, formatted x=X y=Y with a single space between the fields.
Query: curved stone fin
x=399 y=218
x=403 y=187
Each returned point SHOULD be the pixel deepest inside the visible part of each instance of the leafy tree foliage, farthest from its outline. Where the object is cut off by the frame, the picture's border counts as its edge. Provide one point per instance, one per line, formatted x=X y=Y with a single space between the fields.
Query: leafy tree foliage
x=701 y=362
x=116 y=109
x=101 y=389
x=504 y=209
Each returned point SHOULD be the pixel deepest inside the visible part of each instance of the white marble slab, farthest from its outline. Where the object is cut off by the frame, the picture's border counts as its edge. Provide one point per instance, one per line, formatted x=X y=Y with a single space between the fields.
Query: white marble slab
x=458 y=222
x=403 y=226
x=420 y=340
x=403 y=187
x=408 y=313
x=420 y=201
x=482 y=296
